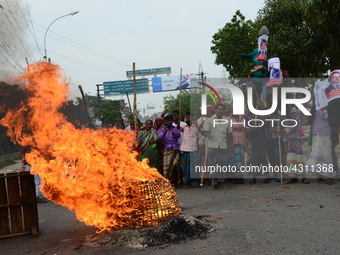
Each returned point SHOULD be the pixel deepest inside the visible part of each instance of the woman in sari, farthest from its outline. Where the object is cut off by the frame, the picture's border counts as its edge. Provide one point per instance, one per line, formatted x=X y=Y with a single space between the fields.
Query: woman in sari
x=158 y=124
x=293 y=146
x=147 y=141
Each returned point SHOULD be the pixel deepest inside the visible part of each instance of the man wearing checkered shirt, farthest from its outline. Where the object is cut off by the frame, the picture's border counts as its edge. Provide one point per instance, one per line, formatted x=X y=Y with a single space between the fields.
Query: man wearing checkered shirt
x=190 y=132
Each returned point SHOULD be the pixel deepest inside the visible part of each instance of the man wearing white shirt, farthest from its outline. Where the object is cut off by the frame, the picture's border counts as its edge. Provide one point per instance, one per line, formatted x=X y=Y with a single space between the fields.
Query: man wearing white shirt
x=219 y=137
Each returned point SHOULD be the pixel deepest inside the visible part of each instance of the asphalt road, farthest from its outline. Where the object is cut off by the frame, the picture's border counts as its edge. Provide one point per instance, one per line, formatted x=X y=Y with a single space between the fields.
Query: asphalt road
x=247 y=219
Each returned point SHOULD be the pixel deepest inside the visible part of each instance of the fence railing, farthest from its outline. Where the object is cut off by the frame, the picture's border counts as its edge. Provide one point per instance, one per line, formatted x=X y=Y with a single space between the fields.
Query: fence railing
x=18 y=205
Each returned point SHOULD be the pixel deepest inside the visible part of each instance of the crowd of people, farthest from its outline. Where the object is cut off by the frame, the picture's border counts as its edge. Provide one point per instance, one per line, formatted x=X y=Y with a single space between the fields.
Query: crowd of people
x=175 y=144
x=178 y=145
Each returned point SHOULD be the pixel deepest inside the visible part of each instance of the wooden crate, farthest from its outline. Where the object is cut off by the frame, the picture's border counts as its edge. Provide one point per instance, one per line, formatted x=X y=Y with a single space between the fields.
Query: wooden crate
x=18 y=205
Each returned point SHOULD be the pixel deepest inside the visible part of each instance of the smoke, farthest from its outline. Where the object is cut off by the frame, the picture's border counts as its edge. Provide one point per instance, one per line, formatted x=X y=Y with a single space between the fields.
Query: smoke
x=14 y=28
x=13 y=96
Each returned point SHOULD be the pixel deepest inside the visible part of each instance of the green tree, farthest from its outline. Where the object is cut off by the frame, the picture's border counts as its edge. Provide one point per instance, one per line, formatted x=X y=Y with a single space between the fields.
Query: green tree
x=94 y=104
x=236 y=37
x=110 y=110
x=305 y=34
x=323 y=18
x=291 y=37
x=191 y=99
x=173 y=101
x=75 y=113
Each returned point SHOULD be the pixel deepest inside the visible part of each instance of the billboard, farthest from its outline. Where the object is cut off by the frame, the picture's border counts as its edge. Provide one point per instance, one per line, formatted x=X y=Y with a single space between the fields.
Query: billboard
x=167 y=83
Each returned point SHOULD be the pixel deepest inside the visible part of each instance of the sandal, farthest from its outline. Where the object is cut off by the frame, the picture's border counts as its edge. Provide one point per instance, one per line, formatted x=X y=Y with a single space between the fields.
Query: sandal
x=213 y=186
x=253 y=181
x=224 y=187
x=305 y=181
x=330 y=180
x=267 y=180
x=293 y=180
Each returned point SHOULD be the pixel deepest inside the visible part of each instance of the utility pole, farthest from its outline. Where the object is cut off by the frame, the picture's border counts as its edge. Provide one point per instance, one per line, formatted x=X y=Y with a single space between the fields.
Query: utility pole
x=180 y=91
x=85 y=105
x=98 y=95
x=202 y=80
x=134 y=114
x=224 y=76
x=200 y=72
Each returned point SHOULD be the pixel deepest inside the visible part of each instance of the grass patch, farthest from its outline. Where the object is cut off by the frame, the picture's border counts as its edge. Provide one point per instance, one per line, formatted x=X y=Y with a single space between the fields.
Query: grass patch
x=8 y=162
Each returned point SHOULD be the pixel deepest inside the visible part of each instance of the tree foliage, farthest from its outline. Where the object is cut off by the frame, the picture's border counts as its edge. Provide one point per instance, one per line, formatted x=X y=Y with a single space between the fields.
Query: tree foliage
x=236 y=37
x=94 y=103
x=191 y=99
x=173 y=101
x=75 y=113
x=323 y=18
x=110 y=110
x=291 y=37
x=305 y=34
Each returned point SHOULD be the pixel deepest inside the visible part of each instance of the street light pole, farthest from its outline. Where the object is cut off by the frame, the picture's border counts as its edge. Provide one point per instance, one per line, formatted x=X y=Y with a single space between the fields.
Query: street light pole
x=70 y=14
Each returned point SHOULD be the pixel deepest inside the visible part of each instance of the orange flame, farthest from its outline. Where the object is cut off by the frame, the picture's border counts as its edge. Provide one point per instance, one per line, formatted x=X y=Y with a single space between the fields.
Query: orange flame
x=91 y=172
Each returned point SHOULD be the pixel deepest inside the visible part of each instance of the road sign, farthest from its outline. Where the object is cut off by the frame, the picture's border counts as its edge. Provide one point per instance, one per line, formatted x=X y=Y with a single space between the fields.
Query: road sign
x=112 y=88
x=151 y=71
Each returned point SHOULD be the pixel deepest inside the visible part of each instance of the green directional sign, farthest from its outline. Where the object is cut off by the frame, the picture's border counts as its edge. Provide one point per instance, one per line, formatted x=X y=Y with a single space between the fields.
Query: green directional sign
x=151 y=71
x=112 y=88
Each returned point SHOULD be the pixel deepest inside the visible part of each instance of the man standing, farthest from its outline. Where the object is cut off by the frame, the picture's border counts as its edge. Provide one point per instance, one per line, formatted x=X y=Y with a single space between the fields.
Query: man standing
x=170 y=135
x=333 y=94
x=219 y=133
x=189 y=147
x=177 y=118
x=200 y=119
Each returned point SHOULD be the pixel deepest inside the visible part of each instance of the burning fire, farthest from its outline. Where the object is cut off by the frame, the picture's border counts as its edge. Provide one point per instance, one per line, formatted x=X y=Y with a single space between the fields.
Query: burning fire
x=91 y=172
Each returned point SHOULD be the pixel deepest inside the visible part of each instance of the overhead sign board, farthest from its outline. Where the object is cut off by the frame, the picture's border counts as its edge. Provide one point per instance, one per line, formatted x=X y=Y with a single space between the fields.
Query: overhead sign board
x=172 y=82
x=113 y=88
x=151 y=71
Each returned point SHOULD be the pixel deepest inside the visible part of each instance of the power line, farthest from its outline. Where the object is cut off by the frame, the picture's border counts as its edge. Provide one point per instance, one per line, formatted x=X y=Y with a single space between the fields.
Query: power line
x=12 y=34
x=89 y=50
x=118 y=25
x=27 y=50
x=11 y=56
x=95 y=53
x=33 y=31
x=87 y=64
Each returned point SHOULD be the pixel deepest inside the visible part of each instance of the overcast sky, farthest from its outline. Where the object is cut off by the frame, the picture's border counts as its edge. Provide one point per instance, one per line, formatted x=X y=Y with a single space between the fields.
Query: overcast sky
x=101 y=42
